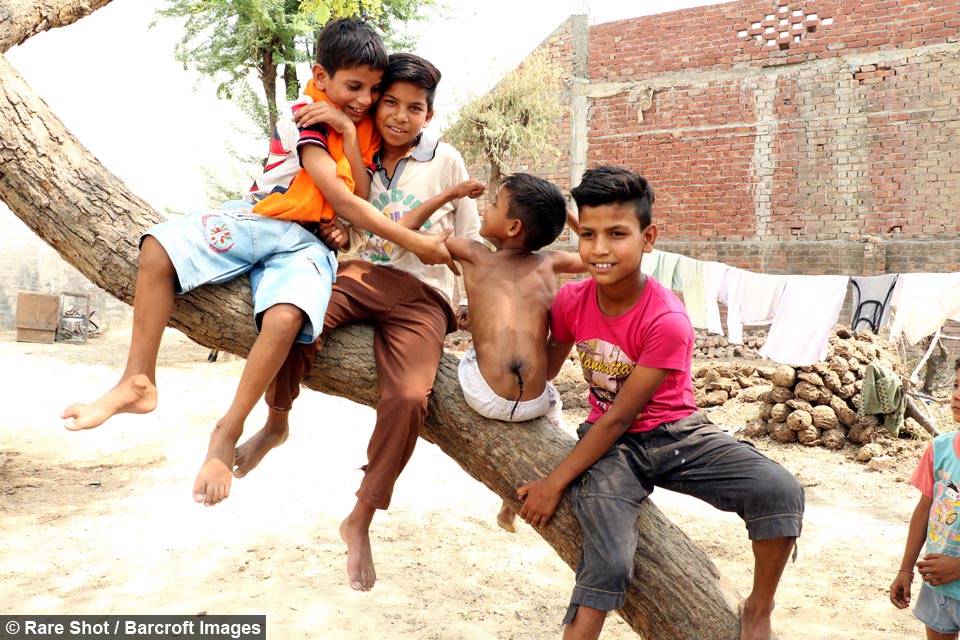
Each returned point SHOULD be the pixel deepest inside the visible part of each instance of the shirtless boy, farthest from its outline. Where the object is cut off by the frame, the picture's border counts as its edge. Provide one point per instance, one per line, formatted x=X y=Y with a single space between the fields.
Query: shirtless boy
x=504 y=375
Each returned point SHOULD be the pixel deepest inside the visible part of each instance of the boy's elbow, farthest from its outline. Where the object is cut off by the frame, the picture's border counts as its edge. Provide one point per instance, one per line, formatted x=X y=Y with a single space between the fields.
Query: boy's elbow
x=346 y=204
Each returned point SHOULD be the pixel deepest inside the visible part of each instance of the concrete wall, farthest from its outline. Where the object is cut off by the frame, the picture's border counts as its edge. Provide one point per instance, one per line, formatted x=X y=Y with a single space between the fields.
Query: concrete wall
x=32 y=266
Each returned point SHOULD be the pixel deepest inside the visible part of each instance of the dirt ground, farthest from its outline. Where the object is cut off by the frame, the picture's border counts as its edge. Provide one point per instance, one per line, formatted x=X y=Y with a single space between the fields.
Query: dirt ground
x=103 y=522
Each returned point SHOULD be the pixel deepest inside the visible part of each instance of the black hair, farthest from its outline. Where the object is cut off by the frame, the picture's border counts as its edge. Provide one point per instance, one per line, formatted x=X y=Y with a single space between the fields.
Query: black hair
x=956 y=365
x=408 y=67
x=539 y=204
x=616 y=185
x=347 y=43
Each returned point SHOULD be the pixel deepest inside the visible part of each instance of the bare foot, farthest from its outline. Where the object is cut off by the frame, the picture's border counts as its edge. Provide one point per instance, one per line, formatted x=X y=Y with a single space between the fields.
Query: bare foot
x=213 y=481
x=250 y=453
x=360 y=570
x=507 y=519
x=136 y=394
x=754 y=625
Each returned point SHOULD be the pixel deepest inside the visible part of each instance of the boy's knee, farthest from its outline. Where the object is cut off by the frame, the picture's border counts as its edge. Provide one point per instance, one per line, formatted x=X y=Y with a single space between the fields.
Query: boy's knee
x=776 y=506
x=284 y=315
x=282 y=318
x=782 y=487
x=153 y=257
x=620 y=569
x=404 y=401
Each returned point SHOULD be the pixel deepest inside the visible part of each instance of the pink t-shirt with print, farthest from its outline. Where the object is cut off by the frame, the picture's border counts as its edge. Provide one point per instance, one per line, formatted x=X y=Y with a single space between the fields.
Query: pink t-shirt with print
x=656 y=333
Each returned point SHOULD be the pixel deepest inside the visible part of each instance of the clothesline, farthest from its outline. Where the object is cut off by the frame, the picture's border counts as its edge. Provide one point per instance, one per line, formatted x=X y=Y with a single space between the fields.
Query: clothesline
x=802 y=309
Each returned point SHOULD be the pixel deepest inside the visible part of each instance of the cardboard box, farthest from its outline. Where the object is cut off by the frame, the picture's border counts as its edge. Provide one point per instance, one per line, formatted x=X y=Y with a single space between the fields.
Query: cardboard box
x=37 y=316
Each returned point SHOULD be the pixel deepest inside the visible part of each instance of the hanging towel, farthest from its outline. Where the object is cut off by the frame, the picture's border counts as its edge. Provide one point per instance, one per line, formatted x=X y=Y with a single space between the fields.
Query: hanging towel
x=751 y=298
x=663 y=268
x=650 y=263
x=883 y=394
x=871 y=301
x=689 y=273
x=808 y=310
x=922 y=302
x=713 y=276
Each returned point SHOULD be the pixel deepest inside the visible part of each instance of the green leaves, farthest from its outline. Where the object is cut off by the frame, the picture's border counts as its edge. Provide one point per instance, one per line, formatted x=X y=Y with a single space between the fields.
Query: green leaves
x=515 y=118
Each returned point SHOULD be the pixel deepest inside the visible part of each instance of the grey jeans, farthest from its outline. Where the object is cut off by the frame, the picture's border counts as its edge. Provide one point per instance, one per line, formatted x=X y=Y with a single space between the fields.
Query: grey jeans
x=691 y=456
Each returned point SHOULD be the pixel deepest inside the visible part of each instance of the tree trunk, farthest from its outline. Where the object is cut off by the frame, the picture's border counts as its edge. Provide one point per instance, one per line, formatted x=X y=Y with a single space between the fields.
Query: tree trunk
x=59 y=190
x=268 y=80
x=913 y=411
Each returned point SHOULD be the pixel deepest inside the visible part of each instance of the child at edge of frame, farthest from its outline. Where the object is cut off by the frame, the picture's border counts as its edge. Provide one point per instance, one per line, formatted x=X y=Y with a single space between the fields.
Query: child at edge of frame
x=934 y=523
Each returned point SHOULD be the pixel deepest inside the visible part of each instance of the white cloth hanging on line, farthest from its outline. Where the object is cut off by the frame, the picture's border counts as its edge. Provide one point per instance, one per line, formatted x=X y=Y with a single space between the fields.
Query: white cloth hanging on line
x=808 y=311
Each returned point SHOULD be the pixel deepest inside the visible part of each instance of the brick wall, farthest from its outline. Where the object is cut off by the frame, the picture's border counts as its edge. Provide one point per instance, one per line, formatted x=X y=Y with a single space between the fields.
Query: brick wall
x=788 y=137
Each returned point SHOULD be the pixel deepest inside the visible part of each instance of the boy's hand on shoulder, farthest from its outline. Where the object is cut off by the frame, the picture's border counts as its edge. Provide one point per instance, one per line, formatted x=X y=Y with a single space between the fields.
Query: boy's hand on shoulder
x=335 y=235
x=938 y=569
x=433 y=250
x=471 y=188
x=322 y=113
x=540 y=500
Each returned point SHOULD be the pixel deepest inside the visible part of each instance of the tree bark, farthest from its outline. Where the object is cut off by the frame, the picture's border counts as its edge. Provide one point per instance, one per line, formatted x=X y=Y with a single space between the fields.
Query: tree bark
x=52 y=183
x=21 y=19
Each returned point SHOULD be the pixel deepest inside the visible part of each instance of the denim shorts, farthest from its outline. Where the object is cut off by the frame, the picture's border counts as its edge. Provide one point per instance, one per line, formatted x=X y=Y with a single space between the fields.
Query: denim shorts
x=286 y=263
x=691 y=456
x=937 y=611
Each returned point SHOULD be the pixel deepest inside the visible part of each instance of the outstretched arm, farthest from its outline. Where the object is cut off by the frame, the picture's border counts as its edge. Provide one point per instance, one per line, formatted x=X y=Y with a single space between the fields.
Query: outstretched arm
x=323 y=170
x=471 y=188
x=464 y=249
x=573 y=222
x=566 y=262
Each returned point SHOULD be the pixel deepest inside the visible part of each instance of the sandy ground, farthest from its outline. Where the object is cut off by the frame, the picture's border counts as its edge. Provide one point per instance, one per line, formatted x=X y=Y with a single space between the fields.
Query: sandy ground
x=103 y=522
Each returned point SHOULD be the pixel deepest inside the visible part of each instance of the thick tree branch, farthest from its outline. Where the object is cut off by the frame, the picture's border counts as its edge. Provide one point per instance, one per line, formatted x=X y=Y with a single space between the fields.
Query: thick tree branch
x=24 y=18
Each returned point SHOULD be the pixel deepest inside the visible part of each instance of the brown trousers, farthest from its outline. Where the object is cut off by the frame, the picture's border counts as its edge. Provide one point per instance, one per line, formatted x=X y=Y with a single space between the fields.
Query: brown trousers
x=410 y=320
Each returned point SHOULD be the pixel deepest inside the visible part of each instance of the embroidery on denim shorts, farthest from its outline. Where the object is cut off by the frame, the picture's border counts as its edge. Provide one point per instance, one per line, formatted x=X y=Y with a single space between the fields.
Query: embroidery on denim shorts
x=217 y=233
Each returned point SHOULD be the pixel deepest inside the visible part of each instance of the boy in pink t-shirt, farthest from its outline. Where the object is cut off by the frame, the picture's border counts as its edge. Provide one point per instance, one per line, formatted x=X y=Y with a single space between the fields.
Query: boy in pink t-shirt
x=635 y=344
x=935 y=524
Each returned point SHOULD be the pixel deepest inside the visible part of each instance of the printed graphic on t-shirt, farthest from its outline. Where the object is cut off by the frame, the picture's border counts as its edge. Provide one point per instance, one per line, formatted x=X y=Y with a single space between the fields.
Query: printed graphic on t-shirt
x=218 y=235
x=605 y=368
x=943 y=535
x=394 y=204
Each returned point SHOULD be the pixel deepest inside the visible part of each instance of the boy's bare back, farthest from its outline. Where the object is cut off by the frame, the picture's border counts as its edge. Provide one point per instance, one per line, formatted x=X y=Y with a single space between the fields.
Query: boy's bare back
x=510 y=292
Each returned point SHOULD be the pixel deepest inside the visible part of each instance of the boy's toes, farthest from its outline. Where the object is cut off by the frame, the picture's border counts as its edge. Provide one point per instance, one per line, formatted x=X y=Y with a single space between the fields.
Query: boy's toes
x=199 y=490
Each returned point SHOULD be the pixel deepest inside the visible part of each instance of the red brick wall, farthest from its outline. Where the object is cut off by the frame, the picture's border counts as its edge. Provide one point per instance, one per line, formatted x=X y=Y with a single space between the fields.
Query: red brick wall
x=722 y=37
x=828 y=144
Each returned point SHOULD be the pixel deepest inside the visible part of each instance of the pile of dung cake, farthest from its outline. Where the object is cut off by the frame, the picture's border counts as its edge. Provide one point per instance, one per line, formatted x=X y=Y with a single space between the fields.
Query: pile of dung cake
x=716 y=347
x=814 y=405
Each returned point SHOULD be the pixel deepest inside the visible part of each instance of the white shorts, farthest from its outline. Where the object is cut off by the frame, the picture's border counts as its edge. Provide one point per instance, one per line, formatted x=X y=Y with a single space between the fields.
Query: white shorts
x=484 y=401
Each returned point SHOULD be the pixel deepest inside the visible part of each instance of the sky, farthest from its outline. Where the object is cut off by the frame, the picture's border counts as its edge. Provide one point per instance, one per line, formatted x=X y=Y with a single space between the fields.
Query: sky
x=115 y=85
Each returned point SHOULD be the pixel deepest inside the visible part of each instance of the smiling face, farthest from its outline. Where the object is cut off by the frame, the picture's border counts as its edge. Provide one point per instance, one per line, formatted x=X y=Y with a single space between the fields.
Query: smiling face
x=354 y=90
x=401 y=114
x=612 y=244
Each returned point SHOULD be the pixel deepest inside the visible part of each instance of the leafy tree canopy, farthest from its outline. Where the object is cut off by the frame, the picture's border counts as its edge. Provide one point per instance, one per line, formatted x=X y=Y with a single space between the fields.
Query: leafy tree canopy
x=228 y=39
x=515 y=118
